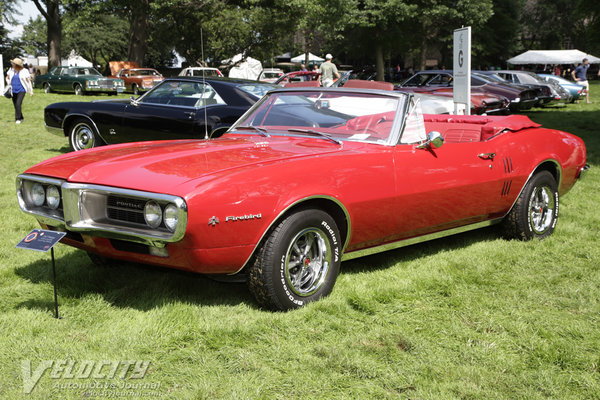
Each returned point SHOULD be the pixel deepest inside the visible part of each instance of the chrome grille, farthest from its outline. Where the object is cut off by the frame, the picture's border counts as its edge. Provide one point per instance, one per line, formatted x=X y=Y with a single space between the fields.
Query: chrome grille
x=125 y=209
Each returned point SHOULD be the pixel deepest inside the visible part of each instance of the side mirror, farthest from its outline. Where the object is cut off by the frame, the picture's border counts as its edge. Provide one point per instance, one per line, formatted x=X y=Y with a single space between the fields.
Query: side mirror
x=433 y=141
x=133 y=101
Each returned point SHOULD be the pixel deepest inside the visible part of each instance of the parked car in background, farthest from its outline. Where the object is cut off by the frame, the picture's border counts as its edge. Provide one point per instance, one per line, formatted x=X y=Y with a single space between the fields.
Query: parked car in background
x=307 y=178
x=177 y=108
x=576 y=91
x=549 y=93
x=138 y=80
x=78 y=80
x=270 y=75
x=441 y=82
x=201 y=71
x=297 y=76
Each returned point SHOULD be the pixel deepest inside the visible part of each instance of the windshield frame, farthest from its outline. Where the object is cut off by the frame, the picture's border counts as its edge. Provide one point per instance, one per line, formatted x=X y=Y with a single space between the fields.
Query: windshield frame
x=395 y=130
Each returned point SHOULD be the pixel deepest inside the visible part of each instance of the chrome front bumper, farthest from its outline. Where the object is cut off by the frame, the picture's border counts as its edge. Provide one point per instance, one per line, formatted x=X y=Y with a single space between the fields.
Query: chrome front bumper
x=583 y=172
x=55 y=130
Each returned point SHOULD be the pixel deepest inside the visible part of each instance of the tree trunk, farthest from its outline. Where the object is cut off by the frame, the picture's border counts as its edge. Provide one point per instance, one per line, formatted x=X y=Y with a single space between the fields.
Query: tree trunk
x=54 y=23
x=138 y=31
x=423 y=53
x=379 y=61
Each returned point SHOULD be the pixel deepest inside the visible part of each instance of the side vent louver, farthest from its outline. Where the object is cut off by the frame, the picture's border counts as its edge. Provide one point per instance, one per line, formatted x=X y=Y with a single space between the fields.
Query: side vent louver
x=508 y=168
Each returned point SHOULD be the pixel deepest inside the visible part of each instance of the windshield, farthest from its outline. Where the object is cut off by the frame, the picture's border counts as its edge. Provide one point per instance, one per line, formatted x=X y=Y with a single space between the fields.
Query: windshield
x=335 y=115
x=143 y=72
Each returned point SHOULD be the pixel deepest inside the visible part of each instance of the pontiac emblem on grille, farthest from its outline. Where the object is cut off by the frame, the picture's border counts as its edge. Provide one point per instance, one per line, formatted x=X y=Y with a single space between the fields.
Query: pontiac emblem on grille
x=213 y=221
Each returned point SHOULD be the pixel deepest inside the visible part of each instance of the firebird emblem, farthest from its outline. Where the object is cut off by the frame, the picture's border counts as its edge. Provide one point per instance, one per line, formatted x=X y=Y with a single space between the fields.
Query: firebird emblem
x=213 y=221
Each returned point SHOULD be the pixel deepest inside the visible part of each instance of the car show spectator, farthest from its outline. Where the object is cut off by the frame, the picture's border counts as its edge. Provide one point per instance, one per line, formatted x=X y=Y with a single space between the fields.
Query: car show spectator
x=580 y=75
x=328 y=70
x=19 y=80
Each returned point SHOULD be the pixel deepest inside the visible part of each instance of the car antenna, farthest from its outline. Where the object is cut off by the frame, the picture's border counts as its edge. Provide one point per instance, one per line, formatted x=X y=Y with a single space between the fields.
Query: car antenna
x=203 y=86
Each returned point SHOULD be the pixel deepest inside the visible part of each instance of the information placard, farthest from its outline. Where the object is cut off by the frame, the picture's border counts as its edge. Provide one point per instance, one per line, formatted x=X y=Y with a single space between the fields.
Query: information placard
x=462 y=68
x=40 y=240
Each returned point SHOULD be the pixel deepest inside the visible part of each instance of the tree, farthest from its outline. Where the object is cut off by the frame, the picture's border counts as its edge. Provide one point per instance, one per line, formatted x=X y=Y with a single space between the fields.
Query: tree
x=53 y=18
x=9 y=48
x=34 y=37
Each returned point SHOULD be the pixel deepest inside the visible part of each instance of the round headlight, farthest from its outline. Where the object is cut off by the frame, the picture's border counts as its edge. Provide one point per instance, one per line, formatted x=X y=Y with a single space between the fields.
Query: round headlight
x=52 y=197
x=153 y=214
x=171 y=217
x=38 y=194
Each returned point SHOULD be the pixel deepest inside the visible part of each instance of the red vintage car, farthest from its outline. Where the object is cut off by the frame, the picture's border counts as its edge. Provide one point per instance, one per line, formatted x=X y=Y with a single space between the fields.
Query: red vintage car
x=307 y=178
x=137 y=80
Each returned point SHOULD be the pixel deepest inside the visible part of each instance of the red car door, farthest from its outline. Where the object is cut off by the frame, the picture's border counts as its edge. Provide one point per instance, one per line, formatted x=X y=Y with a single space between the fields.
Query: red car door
x=456 y=184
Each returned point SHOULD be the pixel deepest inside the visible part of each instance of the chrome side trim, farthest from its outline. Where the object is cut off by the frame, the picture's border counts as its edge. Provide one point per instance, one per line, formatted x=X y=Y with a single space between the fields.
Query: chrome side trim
x=55 y=130
x=419 y=239
x=325 y=197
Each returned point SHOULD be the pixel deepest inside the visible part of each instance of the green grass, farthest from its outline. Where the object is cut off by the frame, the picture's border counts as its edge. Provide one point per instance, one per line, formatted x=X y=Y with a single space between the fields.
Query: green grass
x=466 y=317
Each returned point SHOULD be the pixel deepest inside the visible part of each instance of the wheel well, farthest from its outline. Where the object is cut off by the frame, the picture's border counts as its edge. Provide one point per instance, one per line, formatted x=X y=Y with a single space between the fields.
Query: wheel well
x=329 y=206
x=70 y=121
x=552 y=167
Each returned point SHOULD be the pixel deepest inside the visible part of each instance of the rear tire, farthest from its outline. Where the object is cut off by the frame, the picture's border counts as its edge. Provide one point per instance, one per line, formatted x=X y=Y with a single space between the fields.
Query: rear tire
x=535 y=213
x=298 y=263
x=135 y=89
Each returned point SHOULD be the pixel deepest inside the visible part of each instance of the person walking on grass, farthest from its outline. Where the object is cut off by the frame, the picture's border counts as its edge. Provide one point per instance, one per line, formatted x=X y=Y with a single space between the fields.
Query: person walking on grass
x=328 y=70
x=580 y=76
x=20 y=81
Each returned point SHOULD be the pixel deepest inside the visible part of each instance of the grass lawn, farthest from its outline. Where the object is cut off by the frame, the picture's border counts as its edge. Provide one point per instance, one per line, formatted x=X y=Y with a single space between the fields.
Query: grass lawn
x=466 y=317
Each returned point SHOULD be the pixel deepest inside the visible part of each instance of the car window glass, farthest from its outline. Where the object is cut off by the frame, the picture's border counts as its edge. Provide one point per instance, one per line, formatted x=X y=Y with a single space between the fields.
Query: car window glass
x=338 y=115
x=183 y=93
x=257 y=90
x=414 y=125
x=65 y=71
x=441 y=79
x=417 y=80
x=207 y=72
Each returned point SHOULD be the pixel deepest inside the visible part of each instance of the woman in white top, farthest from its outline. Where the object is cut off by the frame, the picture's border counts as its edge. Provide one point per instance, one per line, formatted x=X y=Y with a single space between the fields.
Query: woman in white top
x=20 y=81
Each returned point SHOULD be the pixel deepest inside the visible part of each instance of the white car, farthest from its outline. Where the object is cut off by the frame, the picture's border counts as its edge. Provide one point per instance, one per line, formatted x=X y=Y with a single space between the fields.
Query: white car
x=270 y=75
x=201 y=71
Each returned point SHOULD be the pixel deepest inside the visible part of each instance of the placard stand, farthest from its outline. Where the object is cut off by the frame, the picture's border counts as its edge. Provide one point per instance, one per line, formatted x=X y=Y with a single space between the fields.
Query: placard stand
x=54 y=284
x=43 y=240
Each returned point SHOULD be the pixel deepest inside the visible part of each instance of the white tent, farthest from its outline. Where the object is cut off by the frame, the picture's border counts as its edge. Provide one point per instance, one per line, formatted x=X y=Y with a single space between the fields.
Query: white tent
x=248 y=68
x=552 y=57
x=302 y=57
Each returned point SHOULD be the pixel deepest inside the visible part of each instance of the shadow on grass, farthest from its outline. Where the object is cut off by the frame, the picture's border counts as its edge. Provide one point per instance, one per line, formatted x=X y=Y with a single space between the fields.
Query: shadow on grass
x=145 y=287
x=63 y=150
x=126 y=285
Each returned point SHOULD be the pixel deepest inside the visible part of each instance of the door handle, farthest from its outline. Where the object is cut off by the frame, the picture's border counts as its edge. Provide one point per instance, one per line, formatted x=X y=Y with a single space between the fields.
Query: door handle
x=487 y=156
x=190 y=114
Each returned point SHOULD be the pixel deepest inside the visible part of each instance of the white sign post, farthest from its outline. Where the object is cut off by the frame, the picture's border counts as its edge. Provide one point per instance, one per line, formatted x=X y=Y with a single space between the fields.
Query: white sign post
x=1 y=74
x=462 y=70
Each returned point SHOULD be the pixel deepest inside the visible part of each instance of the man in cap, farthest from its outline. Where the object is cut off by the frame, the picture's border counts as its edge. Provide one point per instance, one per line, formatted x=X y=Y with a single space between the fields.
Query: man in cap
x=580 y=76
x=328 y=70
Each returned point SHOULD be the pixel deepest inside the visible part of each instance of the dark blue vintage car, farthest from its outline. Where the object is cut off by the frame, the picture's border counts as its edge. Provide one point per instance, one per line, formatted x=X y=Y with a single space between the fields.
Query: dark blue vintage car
x=177 y=108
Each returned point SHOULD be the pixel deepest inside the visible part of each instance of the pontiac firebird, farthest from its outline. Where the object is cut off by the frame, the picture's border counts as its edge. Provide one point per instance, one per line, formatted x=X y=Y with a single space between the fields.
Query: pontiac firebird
x=305 y=179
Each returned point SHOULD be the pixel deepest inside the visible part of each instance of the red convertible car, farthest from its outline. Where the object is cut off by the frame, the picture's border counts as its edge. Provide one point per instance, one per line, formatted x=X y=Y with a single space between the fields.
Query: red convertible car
x=307 y=178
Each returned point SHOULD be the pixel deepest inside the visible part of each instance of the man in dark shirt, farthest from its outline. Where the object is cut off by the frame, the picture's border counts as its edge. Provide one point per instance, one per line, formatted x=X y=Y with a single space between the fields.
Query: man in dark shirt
x=580 y=76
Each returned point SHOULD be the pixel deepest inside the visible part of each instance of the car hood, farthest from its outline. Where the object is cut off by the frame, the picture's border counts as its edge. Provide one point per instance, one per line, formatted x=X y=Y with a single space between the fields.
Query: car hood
x=167 y=165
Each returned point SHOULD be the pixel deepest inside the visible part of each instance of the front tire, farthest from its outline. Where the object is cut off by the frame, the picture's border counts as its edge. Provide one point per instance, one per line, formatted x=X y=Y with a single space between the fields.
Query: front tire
x=298 y=263
x=135 y=89
x=535 y=213
x=78 y=89
x=83 y=135
x=46 y=88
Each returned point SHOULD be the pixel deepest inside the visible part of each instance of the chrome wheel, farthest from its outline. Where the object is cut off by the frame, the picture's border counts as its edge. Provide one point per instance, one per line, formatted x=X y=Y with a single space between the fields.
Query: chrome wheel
x=135 y=89
x=307 y=261
x=78 y=90
x=82 y=137
x=46 y=88
x=541 y=209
